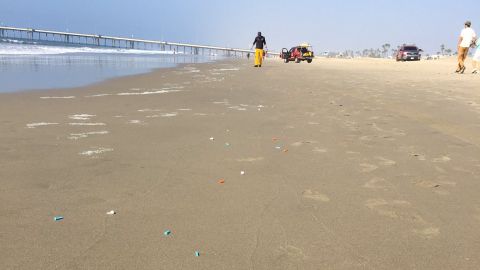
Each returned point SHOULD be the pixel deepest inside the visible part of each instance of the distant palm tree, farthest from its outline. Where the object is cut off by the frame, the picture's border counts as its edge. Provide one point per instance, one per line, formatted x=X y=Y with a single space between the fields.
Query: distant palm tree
x=385 y=48
x=442 y=48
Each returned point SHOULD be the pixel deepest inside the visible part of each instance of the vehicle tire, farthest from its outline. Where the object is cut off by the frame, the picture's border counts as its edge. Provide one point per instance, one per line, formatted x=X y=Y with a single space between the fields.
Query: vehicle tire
x=309 y=61
x=286 y=60
x=297 y=60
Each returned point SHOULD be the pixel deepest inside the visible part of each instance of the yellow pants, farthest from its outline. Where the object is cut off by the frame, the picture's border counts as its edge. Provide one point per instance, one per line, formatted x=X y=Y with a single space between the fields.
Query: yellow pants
x=258 y=57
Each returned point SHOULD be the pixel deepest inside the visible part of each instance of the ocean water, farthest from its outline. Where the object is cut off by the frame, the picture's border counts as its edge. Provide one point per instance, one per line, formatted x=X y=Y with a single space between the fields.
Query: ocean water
x=25 y=66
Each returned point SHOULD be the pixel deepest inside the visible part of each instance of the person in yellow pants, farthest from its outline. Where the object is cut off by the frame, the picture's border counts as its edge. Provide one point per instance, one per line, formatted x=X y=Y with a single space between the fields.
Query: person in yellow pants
x=259 y=42
x=258 y=57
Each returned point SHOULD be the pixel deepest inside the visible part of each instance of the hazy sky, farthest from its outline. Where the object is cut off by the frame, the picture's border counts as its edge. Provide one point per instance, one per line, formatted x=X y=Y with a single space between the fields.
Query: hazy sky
x=327 y=25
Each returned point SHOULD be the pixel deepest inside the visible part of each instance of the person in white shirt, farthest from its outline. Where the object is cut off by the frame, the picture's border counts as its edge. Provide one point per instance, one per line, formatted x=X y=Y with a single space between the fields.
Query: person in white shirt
x=467 y=37
x=476 y=58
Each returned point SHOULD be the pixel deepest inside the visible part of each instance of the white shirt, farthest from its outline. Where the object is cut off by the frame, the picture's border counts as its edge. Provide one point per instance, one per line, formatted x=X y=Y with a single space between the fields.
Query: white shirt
x=468 y=35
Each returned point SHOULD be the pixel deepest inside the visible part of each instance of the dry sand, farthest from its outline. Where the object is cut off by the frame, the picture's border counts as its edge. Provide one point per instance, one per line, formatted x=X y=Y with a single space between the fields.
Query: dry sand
x=349 y=164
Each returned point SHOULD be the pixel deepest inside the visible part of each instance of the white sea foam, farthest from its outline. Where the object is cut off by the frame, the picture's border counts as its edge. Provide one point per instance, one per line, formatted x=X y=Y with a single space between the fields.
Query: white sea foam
x=87 y=124
x=41 y=124
x=227 y=69
x=97 y=151
x=81 y=116
x=147 y=92
x=67 y=97
x=76 y=136
x=99 y=95
x=17 y=48
x=238 y=108
x=150 y=110
x=135 y=122
x=169 y=114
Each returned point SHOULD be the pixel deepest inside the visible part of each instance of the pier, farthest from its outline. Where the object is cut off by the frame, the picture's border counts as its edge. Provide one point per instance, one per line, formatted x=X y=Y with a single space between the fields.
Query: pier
x=93 y=40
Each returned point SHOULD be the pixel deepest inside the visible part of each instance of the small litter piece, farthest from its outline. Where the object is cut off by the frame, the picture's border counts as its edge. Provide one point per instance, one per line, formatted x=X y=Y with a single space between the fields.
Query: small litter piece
x=111 y=213
x=278 y=147
x=227 y=144
x=274 y=139
x=167 y=232
x=242 y=173
x=197 y=253
x=285 y=150
x=221 y=181
x=212 y=139
x=58 y=218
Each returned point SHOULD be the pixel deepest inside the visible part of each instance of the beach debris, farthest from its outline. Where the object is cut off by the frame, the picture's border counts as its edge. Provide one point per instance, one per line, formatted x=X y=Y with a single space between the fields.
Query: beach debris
x=278 y=147
x=221 y=181
x=57 y=218
x=167 y=232
x=285 y=150
x=111 y=213
x=212 y=139
x=242 y=172
x=227 y=144
x=275 y=139
x=197 y=253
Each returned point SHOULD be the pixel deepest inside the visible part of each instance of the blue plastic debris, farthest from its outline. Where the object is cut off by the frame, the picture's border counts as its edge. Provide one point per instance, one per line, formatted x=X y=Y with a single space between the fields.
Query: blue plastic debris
x=167 y=232
x=58 y=218
x=197 y=253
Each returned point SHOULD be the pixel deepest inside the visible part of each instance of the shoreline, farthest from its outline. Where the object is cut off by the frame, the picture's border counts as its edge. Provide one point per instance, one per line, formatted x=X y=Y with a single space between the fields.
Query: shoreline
x=79 y=74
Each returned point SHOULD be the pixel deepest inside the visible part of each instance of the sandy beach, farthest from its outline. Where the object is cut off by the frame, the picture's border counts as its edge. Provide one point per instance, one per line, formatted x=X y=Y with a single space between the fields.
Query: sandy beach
x=338 y=164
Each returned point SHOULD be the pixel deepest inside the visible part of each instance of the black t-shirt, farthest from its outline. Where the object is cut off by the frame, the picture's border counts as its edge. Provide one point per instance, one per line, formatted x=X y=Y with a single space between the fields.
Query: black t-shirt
x=259 y=42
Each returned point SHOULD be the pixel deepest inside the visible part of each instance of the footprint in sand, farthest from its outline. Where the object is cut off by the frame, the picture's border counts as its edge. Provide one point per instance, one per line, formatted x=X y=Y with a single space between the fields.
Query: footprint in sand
x=291 y=252
x=251 y=159
x=437 y=186
x=377 y=183
x=298 y=144
x=443 y=159
x=477 y=214
x=393 y=209
x=367 y=168
x=386 y=162
x=319 y=150
x=419 y=156
x=402 y=210
x=428 y=233
x=314 y=195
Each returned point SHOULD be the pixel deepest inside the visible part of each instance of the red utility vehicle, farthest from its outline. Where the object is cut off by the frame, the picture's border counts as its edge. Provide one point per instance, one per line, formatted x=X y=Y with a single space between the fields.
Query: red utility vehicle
x=300 y=53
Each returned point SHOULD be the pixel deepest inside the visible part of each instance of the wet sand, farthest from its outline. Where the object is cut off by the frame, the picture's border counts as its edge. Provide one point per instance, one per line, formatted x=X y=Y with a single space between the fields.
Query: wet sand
x=348 y=164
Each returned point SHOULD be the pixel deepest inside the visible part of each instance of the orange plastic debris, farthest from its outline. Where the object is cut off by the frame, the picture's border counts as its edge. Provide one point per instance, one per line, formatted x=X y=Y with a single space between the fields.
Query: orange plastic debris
x=221 y=181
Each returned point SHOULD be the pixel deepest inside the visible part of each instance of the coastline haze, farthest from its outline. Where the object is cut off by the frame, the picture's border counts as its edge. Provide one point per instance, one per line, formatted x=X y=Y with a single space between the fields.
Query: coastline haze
x=327 y=26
